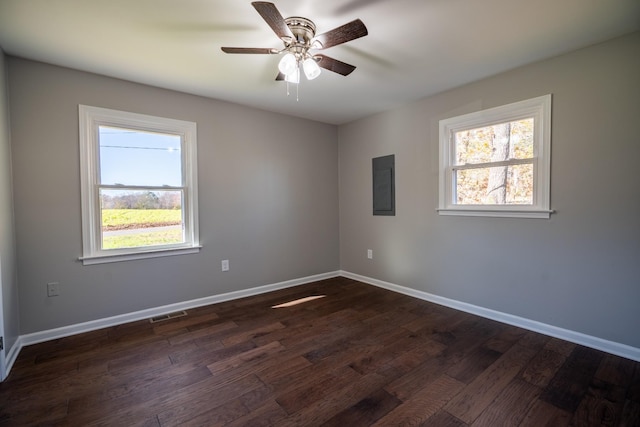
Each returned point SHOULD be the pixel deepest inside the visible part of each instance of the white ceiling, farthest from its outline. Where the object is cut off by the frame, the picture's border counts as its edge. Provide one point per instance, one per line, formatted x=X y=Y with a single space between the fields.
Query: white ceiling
x=415 y=48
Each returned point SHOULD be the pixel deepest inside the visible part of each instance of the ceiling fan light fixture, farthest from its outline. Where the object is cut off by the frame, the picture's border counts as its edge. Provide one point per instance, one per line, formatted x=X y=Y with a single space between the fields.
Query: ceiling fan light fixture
x=288 y=64
x=293 y=77
x=311 y=68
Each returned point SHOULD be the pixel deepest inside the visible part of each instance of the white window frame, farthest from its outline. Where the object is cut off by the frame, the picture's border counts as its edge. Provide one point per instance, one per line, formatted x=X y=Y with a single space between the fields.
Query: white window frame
x=540 y=109
x=90 y=118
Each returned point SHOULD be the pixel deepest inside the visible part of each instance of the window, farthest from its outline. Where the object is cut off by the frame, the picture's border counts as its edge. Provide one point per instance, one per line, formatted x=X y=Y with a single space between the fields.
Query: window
x=496 y=162
x=138 y=186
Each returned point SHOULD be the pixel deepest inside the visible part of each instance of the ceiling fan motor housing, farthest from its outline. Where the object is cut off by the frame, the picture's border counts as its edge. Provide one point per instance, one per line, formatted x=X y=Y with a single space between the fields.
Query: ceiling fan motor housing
x=303 y=29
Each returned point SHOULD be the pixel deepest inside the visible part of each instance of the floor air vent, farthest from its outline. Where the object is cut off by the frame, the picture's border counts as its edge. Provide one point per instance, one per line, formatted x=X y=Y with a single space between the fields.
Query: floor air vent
x=168 y=316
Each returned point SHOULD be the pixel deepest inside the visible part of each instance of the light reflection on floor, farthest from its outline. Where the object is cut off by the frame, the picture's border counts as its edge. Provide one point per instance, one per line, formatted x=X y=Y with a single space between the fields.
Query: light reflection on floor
x=298 y=301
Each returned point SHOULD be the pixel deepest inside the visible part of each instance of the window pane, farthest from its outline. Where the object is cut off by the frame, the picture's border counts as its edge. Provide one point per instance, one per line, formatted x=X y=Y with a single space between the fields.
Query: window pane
x=140 y=218
x=133 y=157
x=505 y=185
x=510 y=140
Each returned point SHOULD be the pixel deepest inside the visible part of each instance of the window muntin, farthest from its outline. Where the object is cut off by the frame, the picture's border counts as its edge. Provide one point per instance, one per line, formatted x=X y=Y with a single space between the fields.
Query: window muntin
x=496 y=162
x=139 y=190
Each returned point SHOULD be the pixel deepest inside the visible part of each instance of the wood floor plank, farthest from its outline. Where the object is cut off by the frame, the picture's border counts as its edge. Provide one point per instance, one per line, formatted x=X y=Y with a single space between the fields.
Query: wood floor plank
x=325 y=329
x=315 y=389
x=359 y=356
x=219 y=415
x=506 y=339
x=306 y=328
x=444 y=419
x=149 y=422
x=423 y=404
x=282 y=368
x=127 y=390
x=630 y=414
x=476 y=396
x=49 y=413
x=560 y=346
x=464 y=336
x=543 y=414
x=428 y=320
x=255 y=332
x=248 y=362
x=473 y=364
x=406 y=346
x=150 y=357
x=396 y=318
x=398 y=368
x=543 y=368
x=569 y=385
x=413 y=380
x=363 y=344
x=269 y=414
x=460 y=338
x=602 y=405
x=320 y=411
x=633 y=391
x=36 y=381
x=365 y=412
x=182 y=322
x=511 y=405
x=533 y=340
x=616 y=370
x=175 y=407
x=208 y=331
x=207 y=354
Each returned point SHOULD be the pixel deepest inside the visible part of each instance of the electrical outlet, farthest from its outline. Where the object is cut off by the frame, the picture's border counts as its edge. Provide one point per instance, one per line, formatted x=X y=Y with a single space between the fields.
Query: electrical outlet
x=370 y=253
x=53 y=289
x=225 y=265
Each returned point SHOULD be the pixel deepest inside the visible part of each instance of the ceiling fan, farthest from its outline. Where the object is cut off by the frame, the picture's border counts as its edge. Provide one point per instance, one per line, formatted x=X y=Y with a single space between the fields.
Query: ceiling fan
x=299 y=37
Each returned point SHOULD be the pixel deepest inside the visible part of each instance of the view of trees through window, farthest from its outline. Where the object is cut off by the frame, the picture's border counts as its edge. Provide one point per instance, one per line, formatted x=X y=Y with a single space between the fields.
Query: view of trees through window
x=494 y=164
x=140 y=218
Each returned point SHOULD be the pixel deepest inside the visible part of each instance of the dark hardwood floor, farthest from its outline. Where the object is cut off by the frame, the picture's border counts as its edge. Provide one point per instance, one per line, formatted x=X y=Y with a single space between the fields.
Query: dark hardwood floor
x=359 y=356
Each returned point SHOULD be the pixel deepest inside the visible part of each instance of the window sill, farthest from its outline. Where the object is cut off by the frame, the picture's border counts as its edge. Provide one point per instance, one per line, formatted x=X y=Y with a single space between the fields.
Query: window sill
x=500 y=213
x=103 y=259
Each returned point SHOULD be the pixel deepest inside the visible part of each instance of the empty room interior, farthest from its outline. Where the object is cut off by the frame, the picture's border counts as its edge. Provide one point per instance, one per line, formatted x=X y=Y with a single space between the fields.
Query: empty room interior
x=441 y=228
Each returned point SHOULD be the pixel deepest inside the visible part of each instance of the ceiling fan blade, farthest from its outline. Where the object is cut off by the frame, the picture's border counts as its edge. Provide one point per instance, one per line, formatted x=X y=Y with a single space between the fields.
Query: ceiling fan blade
x=334 y=65
x=258 y=50
x=280 y=77
x=270 y=14
x=347 y=32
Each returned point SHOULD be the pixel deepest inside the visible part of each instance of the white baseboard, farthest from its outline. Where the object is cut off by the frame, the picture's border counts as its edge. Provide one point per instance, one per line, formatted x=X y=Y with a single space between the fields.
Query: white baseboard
x=11 y=356
x=93 y=325
x=612 y=347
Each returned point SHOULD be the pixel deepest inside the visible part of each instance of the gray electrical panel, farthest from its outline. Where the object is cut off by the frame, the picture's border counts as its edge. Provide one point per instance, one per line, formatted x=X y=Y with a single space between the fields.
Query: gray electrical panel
x=384 y=195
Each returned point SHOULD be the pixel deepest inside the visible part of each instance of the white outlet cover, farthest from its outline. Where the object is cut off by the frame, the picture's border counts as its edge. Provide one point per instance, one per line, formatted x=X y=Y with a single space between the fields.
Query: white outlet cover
x=53 y=289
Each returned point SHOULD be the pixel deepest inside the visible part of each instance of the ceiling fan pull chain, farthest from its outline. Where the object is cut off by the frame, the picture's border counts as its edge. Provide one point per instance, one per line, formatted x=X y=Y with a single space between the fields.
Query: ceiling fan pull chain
x=297 y=90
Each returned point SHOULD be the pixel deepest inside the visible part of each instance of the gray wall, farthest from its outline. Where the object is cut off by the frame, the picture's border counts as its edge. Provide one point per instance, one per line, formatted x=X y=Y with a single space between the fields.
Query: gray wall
x=268 y=199
x=8 y=281
x=580 y=269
